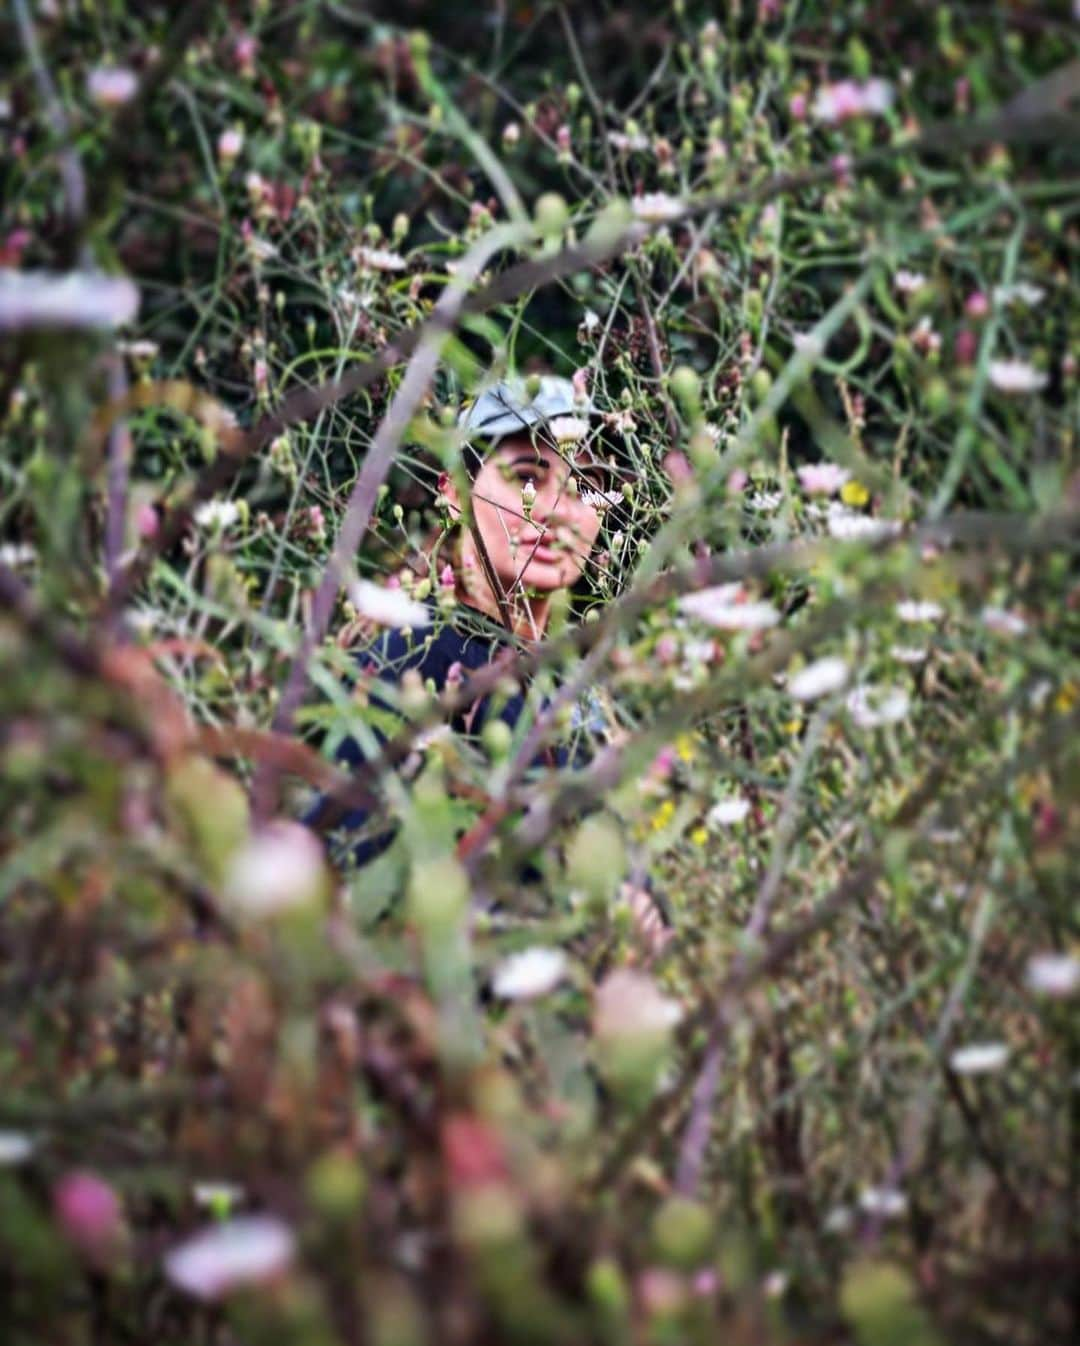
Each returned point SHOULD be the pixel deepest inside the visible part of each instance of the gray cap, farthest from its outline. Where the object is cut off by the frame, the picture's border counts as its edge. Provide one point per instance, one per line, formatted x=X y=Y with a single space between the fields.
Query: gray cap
x=508 y=409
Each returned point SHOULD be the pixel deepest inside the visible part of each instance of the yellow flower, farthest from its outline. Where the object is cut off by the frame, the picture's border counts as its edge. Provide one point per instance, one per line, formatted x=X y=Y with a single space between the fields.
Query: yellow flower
x=699 y=836
x=1066 y=698
x=854 y=493
x=792 y=726
x=684 y=748
x=663 y=815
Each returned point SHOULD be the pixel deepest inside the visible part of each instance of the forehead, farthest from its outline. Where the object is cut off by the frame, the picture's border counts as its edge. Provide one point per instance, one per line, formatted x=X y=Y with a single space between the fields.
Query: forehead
x=515 y=447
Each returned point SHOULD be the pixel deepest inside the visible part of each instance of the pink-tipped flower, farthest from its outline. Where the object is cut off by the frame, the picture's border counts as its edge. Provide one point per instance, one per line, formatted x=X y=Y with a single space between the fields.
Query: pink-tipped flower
x=112 y=86
x=822 y=478
x=798 y=106
x=846 y=98
x=229 y=145
x=89 y=1213
x=243 y=1252
x=447 y=578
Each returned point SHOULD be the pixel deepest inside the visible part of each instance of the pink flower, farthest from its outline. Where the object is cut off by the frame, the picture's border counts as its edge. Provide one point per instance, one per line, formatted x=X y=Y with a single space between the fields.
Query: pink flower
x=797 y=106
x=846 y=99
x=562 y=139
x=90 y=1215
x=965 y=346
x=736 y=482
x=822 y=478
x=146 y=521
x=111 y=86
x=447 y=578
x=229 y=145
x=663 y=763
x=841 y=167
x=977 y=305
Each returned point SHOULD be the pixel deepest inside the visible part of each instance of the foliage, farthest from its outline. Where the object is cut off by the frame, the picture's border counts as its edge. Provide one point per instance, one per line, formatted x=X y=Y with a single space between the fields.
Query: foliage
x=815 y=266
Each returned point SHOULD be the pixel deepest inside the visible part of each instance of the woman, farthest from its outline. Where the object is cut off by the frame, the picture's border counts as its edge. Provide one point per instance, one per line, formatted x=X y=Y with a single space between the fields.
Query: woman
x=537 y=491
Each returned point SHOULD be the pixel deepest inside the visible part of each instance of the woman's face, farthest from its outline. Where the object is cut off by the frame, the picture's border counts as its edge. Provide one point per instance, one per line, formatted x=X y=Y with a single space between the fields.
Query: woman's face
x=538 y=542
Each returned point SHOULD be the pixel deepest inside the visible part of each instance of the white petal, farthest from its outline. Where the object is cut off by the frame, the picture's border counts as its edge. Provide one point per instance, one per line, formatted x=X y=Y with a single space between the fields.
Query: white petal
x=819 y=678
x=874 y=707
x=388 y=607
x=717 y=607
x=979 y=1058
x=885 y=1201
x=1053 y=974
x=914 y=610
x=533 y=972
x=280 y=869
x=728 y=812
x=16 y=1147
x=86 y=300
x=228 y=1256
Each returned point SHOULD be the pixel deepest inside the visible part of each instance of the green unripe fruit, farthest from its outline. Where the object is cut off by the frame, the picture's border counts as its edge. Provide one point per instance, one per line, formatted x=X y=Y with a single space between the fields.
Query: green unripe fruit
x=937 y=397
x=551 y=214
x=438 y=895
x=497 y=737
x=607 y=1287
x=596 y=858
x=336 y=1186
x=686 y=386
x=682 y=1233
x=760 y=384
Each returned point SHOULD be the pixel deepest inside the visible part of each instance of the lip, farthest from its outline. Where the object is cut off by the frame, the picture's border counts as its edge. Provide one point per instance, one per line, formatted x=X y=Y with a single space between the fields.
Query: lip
x=546 y=555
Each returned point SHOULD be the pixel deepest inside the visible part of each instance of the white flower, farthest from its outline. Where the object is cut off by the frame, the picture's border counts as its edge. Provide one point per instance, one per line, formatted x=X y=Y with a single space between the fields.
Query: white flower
x=77 y=299
x=624 y=143
x=873 y=707
x=657 y=207
x=909 y=654
x=844 y=99
x=1053 y=974
x=1016 y=376
x=388 y=607
x=629 y=1004
x=808 y=345
x=111 y=86
x=602 y=499
x=531 y=973
x=230 y=143
x=381 y=259
x=280 y=869
x=839 y=1220
x=822 y=478
x=217 y=515
x=1020 y=293
x=231 y=1255
x=16 y=1147
x=764 y=502
x=15 y=554
x=217 y=1195
x=908 y=282
x=847 y=526
x=568 y=429
x=728 y=812
x=887 y=1202
x=819 y=678
x=260 y=249
x=718 y=607
x=979 y=1058
x=914 y=610
x=138 y=350
x=1003 y=622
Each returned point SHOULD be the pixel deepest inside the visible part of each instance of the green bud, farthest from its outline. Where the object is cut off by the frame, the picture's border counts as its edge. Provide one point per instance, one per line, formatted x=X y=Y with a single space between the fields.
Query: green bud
x=596 y=858
x=497 y=737
x=336 y=1186
x=551 y=214
x=682 y=1233
x=685 y=384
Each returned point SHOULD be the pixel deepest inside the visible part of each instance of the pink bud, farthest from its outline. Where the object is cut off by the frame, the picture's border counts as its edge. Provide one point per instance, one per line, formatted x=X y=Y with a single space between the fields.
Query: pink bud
x=736 y=482
x=89 y=1213
x=663 y=763
x=562 y=139
x=447 y=577
x=977 y=306
x=797 y=106
x=666 y=649
x=966 y=346
x=146 y=521
x=841 y=167
x=580 y=381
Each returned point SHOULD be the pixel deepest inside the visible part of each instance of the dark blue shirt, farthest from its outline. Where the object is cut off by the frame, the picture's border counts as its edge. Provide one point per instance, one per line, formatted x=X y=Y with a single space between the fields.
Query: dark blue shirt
x=447 y=651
